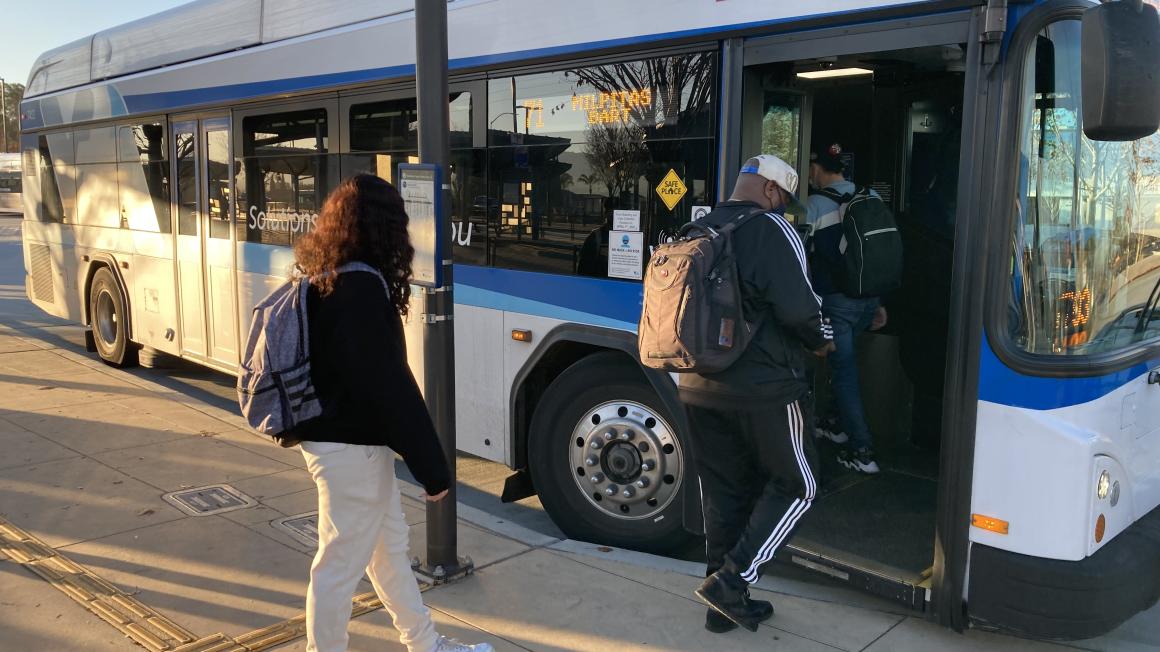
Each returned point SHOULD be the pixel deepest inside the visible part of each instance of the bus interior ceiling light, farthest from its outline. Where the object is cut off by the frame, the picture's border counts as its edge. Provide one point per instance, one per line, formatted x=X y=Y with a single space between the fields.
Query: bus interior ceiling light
x=834 y=72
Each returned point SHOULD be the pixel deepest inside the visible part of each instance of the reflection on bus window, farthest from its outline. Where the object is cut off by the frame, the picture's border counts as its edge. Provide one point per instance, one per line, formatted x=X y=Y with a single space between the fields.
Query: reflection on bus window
x=570 y=147
x=143 y=177
x=1086 y=260
x=48 y=159
x=186 y=184
x=384 y=134
x=283 y=176
x=217 y=166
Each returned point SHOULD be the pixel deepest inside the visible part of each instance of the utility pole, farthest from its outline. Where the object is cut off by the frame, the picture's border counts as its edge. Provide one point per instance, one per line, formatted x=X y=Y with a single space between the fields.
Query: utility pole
x=4 y=112
x=443 y=562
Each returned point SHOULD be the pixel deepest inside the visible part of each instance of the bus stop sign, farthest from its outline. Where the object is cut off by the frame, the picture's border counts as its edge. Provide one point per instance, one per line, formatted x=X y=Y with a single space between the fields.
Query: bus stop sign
x=421 y=185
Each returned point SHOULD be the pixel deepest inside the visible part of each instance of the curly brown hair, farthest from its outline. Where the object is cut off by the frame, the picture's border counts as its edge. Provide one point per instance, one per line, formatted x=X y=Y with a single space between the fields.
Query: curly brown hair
x=363 y=220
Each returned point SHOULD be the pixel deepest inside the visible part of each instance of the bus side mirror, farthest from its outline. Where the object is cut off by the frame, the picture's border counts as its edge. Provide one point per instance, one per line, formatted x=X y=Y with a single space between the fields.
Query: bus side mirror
x=1120 y=48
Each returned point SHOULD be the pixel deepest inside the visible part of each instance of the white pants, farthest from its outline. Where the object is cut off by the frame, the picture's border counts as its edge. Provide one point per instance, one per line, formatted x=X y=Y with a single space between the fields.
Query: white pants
x=360 y=526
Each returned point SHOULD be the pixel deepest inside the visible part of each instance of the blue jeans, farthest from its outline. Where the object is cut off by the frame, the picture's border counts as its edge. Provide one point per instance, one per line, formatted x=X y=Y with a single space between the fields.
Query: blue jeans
x=849 y=317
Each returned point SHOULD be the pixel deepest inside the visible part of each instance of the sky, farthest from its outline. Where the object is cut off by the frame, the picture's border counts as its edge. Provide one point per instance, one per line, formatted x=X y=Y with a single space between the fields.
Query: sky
x=29 y=27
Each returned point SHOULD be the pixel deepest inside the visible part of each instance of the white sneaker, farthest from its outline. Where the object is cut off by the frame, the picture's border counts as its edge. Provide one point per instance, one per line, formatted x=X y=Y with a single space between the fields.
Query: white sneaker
x=836 y=437
x=452 y=645
x=861 y=461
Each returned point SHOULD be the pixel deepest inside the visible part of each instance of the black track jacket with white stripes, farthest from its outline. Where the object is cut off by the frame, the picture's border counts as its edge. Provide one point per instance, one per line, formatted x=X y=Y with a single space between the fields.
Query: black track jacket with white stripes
x=771 y=262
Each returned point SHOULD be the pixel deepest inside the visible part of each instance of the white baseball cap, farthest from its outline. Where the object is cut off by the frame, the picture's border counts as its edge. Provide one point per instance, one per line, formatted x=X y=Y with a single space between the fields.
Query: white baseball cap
x=778 y=171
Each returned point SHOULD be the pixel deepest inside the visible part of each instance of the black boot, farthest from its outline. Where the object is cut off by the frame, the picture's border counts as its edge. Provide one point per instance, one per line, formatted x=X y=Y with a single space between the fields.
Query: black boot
x=727 y=594
x=718 y=624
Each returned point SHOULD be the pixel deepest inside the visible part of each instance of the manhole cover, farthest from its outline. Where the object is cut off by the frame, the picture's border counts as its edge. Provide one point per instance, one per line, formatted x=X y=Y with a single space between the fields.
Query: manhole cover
x=206 y=501
x=303 y=527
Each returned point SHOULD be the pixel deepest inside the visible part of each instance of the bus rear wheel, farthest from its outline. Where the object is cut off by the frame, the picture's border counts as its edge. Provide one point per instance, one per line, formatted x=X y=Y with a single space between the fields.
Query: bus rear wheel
x=109 y=318
x=605 y=459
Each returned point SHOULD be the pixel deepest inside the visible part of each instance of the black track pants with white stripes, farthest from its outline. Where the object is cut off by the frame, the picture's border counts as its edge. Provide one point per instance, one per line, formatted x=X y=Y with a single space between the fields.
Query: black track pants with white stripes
x=758 y=471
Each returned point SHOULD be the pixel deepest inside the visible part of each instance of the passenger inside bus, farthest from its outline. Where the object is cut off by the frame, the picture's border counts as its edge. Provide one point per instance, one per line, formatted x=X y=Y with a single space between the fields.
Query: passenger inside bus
x=898 y=118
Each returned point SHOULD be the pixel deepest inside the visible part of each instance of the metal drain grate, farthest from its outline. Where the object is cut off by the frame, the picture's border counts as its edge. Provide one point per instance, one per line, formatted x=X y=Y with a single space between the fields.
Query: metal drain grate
x=207 y=501
x=303 y=527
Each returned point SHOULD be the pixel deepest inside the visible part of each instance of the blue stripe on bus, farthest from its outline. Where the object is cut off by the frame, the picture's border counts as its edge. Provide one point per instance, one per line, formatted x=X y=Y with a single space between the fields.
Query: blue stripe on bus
x=173 y=100
x=600 y=302
x=593 y=301
x=148 y=102
x=1000 y=384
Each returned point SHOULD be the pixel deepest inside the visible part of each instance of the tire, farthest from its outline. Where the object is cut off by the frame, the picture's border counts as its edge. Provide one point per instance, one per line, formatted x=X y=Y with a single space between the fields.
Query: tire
x=109 y=319
x=599 y=395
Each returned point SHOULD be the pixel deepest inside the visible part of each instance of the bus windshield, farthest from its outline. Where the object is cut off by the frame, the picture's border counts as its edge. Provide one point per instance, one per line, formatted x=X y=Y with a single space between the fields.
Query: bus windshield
x=1087 y=241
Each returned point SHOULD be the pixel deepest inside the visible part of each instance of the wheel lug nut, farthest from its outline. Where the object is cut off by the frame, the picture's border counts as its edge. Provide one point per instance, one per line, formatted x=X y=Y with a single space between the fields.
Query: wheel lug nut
x=627 y=435
x=642 y=483
x=611 y=490
x=629 y=492
x=649 y=465
x=609 y=435
x=596 y=444
x=597 y=478
x=592 y=460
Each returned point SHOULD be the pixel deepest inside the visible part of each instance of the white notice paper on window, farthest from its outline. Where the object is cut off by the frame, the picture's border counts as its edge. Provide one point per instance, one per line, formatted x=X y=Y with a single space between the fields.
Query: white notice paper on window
x=626 y=220
x=625 y=254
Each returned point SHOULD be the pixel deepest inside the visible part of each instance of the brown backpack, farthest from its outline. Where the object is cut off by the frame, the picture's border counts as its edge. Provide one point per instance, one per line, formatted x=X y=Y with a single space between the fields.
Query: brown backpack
x=693 y=320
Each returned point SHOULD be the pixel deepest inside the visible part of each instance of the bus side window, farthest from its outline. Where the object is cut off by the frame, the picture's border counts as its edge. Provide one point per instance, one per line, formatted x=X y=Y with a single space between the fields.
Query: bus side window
x=384 y=133
x=143 y=177
x=568 y=149
x=283 y=175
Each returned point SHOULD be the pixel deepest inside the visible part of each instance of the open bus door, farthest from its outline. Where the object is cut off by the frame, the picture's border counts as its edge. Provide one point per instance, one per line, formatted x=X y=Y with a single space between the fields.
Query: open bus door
x=880 y=90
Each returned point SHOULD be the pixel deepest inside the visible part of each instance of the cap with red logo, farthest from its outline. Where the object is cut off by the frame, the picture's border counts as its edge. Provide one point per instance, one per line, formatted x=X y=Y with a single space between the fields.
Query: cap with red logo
x=829 y=157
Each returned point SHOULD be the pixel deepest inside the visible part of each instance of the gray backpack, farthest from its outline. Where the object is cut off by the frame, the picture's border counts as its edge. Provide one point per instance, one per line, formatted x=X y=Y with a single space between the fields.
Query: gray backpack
x=693 y=318
x=275 y=391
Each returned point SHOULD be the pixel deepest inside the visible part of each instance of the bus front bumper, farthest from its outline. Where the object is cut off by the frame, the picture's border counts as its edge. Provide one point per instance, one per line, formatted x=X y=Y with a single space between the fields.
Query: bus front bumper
x=1069 y=600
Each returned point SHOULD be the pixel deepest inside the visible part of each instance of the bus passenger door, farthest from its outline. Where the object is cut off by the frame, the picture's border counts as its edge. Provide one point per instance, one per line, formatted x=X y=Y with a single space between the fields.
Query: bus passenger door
x=191 y=296
x=204 y=240
x=218 y=271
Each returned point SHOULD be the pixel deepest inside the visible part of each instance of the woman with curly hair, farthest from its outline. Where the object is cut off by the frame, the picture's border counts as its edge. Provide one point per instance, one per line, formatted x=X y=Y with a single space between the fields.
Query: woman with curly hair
x=371 y=409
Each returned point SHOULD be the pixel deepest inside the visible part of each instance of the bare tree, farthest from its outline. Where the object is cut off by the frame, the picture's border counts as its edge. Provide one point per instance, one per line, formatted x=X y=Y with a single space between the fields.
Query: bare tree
x=13 y=94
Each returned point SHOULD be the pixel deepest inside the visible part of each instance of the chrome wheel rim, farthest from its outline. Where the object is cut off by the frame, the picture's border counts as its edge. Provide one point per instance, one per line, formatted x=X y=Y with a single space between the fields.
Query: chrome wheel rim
x=626 y=460
x=105 y=318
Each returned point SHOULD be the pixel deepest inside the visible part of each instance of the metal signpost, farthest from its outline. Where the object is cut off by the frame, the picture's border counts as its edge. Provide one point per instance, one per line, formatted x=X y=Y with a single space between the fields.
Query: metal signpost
x=4 y=113
x=443 y=562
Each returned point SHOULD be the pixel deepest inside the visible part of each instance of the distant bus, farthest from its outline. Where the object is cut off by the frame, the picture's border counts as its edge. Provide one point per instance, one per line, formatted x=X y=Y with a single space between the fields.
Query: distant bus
x=171 y=163
x=10 y=184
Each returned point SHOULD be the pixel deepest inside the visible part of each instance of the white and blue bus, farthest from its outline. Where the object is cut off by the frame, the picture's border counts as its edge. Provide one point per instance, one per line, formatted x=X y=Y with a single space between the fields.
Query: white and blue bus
x=171 y=163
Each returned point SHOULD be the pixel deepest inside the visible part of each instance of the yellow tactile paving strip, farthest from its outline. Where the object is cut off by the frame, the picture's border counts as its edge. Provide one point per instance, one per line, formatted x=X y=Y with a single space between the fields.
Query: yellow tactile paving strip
x=143 y=625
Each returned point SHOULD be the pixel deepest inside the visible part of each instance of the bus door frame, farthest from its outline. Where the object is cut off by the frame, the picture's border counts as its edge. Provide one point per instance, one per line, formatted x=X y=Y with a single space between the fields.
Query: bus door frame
x=940 y=594
x=196 y=304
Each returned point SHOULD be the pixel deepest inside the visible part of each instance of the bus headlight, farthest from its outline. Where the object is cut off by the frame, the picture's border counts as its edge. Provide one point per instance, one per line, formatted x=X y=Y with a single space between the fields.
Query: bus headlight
x=1104 y=485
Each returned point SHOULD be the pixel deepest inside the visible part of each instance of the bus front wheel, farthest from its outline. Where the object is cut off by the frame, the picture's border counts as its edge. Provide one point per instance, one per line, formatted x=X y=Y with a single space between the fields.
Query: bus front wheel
x=605 y=459
x=109 y=318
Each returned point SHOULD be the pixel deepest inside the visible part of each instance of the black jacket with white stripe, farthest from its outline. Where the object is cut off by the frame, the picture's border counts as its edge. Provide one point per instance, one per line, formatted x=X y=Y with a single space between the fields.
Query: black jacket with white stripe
x=771 y=262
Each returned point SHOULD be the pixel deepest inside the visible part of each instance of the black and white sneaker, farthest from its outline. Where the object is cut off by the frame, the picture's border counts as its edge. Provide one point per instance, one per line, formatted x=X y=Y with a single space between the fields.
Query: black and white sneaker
x=829 y=429
x=861 y=461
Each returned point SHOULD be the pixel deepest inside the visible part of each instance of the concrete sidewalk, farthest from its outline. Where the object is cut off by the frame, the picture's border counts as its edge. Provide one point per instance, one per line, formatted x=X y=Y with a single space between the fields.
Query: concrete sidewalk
x=89 y=454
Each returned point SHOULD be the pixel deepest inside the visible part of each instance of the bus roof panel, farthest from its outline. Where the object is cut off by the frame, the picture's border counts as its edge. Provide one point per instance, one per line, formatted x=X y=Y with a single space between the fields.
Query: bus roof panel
x=289 y=18
x=184 y=33
x=62 y=67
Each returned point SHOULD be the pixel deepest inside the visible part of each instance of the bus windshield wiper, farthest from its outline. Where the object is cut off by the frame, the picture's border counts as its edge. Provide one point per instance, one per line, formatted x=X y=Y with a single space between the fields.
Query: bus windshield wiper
x=1149 y=308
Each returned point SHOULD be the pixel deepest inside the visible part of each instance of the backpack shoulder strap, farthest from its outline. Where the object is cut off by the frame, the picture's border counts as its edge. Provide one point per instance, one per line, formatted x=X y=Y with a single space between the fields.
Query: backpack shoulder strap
x=840 y=198
x=740 y=220
x=357 y=266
